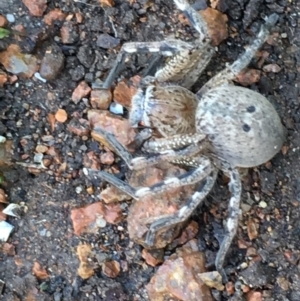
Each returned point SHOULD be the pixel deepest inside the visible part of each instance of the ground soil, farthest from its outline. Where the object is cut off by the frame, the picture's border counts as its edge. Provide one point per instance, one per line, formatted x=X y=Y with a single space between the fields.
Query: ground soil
x=44 y=232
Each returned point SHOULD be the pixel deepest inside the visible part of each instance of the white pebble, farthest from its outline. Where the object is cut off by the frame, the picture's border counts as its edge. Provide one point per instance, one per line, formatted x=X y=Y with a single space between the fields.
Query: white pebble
x=116 y=108
x=38 y=76
x=78 y=189
x=10 y=18
x=262 y=204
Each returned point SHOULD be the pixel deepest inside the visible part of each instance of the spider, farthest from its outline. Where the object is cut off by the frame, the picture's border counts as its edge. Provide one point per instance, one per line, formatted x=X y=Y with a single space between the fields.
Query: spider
x=220 y=127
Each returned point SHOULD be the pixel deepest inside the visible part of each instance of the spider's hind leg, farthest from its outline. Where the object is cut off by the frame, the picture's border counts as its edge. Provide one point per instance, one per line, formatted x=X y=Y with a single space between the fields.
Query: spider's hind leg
x=230 y=72
x=235 y=187
x=185 y=212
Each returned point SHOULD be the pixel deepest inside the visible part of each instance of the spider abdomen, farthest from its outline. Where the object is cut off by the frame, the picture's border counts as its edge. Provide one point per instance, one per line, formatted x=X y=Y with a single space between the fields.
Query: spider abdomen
x=242 y=125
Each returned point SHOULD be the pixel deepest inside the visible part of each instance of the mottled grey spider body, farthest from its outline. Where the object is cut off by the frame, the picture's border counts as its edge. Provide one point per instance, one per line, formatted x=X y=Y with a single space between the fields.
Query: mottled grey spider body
x=220 y=127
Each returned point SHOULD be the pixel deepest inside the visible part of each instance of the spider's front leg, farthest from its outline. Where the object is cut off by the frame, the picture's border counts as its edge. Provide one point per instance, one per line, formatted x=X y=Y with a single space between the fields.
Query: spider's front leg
x=187 y=61
x=235 y=187
x=165 y=48
x=188 y=150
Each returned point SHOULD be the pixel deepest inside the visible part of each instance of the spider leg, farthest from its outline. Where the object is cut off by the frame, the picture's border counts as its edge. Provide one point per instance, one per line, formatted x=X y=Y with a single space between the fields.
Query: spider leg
x=117 y=146
x=182 y=214
x=165 y=48
x=230 y=72
x=168 y=155
x=203 y=169
x=235 y=187
x=123 y=186
x=177 y=141
x=195 y=18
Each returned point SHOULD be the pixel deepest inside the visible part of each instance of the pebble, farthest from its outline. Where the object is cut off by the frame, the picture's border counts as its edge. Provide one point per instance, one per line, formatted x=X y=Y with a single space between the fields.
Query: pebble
x=78 y=189
x=106 y=41
x=10 y=18
x=52 y=63
x=116 y=108
x=262 y=204
x=38 y=76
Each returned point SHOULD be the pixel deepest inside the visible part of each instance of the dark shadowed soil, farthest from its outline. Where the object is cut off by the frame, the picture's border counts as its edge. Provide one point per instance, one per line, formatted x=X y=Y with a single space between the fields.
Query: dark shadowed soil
x=44 y=233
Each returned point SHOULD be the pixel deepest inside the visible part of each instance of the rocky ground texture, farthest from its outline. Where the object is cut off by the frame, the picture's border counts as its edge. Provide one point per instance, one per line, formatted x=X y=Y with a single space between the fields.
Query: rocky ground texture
x=71 y=236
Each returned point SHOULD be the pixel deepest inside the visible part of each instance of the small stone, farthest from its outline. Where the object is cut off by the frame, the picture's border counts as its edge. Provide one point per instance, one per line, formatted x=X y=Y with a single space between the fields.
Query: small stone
x=106 y=41
x=79 y=17
x=187 y=234
x=52 y=63
x=252 y=229
x=47 y=162
x=100 y=99
x=111 y=268
x=3 y=78
x=109 y=3
x=79 y=127
x=3 y=21
x=39 y=77
x=272 y=68
x=125 y=90
x=82 y=90
x=90 y=190
x=112 y=194
x=116 y=108
x=113 y=124
x=248 y=77
x=18 y=63
x=54 y=15
x=86 y=56
x=10 y=18
x=284 y=35
x=251 y=251
x=69 y=33
x=36 y=7
x=86 y=267
x=8 y=249
x=41 y=149
x=254 y=296
x=3 y=196
x=229 y=288
x=178 y=278
x=39 y=271
x=262 y=204
x=61 y=115
x=153 y=257
x=91 y=160
x=84 y=219
x=107 y=158
x=283 y=283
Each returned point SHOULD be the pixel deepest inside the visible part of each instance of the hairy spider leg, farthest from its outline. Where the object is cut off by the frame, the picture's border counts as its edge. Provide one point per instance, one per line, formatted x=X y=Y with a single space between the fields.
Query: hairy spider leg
x=193 y=176
x=195 y=19
x=234 y=211
x=185 y=212
x=165 y=48
x=115 y=144
x=230 y=72
x=112 y=179
x=187 y=62
x=175 y=142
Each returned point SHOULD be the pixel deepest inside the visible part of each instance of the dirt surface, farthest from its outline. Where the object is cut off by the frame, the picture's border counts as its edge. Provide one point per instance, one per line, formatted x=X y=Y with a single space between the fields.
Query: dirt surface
x=44 y=233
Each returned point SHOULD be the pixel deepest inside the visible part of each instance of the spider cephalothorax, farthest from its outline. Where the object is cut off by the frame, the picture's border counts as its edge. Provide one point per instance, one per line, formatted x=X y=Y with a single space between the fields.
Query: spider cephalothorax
x=221 y=127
